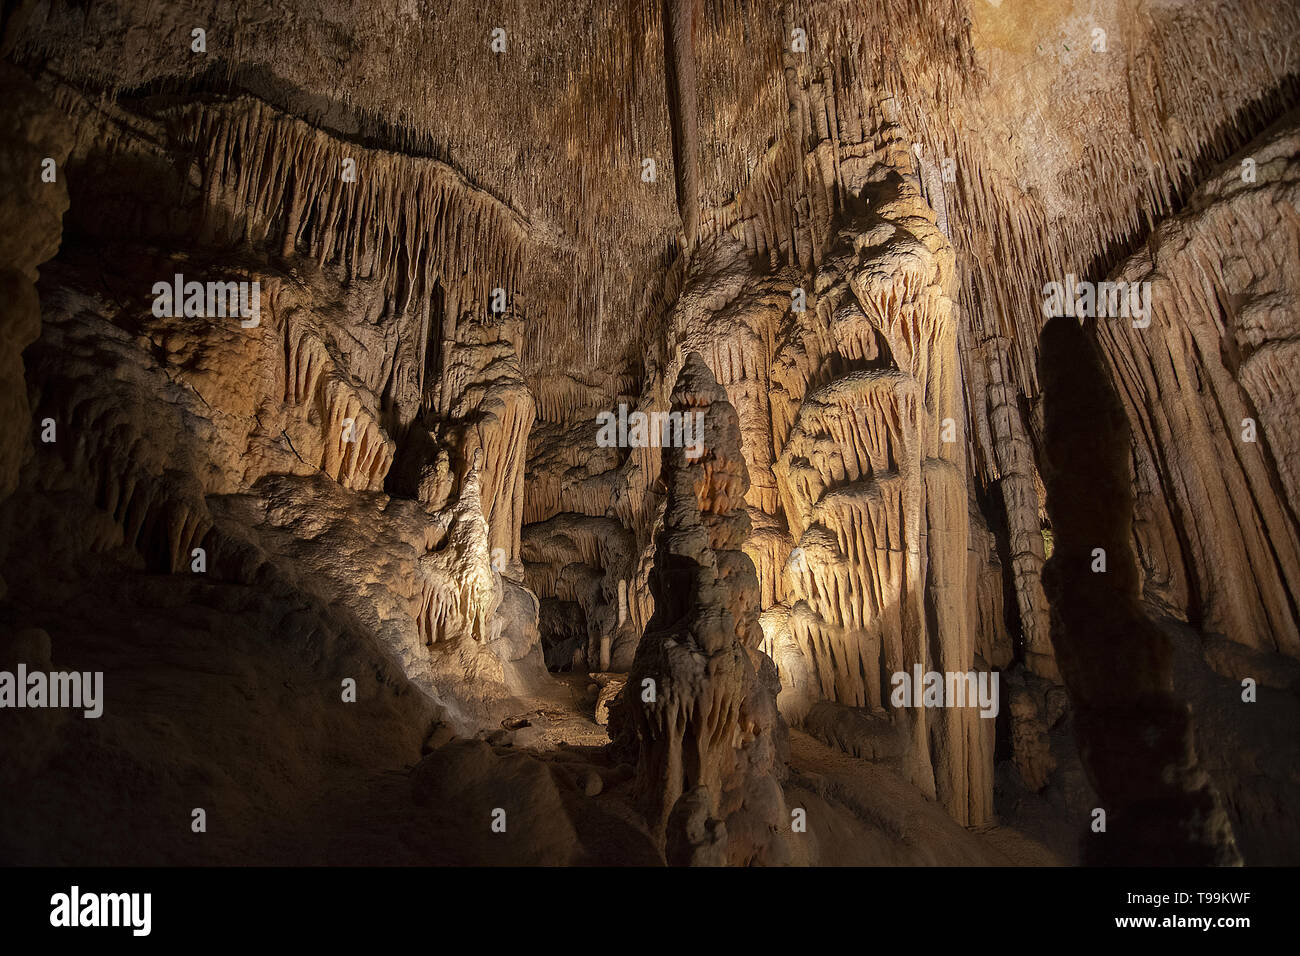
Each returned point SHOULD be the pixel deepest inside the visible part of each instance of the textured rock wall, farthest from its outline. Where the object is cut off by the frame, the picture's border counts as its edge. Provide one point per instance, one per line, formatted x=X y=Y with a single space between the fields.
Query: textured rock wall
x=464 y=258
x=1136 y=737
x=1209 y=389
x=206 y=431
x=843 y=380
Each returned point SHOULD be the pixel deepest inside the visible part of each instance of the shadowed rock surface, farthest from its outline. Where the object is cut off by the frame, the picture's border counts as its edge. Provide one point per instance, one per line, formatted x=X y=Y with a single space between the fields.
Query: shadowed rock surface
x=1136 y=738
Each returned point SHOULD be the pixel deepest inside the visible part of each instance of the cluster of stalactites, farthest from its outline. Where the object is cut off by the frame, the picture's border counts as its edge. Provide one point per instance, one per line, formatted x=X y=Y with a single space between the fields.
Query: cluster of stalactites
x=275 y=182
x=1201 y=79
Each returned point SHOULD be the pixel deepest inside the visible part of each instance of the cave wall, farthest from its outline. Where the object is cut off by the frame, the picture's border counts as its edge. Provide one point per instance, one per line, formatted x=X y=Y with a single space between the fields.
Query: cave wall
x=462 y=268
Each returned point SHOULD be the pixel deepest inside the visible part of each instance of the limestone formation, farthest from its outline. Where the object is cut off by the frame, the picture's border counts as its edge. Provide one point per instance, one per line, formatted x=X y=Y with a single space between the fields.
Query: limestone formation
x=1135 y=737
x=1215 y=527
x=36 y=137
x=699 y=710
x=311 y=338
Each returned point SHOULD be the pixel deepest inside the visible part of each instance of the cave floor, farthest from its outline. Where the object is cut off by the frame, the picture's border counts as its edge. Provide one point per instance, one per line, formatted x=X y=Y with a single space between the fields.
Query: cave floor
x=860 y=797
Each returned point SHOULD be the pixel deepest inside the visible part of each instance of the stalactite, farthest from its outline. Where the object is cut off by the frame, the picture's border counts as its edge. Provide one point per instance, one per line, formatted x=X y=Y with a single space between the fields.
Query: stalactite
x=1204 y=386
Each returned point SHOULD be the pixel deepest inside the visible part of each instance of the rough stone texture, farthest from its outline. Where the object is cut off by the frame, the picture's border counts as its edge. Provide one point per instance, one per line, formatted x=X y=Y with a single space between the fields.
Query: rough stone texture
x=1216 y=526
x=699 y=711
x=396 y=471
x=610 y=688
x=30 y=231
x=1136 y=737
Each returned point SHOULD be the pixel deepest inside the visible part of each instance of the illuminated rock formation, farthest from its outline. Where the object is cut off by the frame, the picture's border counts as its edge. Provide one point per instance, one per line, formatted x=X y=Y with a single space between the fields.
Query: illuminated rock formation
x=1203 y=388
x=229 y=437
x=699 y=709
x=831 y=228
x=589 y=562
x=868 y=470
x=1207 y=388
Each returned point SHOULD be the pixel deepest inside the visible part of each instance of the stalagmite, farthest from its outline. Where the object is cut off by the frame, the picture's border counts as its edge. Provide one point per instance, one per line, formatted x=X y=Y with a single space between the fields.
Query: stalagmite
x=699 y=710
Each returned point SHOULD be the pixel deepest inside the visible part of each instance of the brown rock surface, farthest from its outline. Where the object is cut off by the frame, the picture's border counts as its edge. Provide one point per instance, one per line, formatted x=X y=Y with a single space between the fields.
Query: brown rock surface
x=1136 y=738
x=699 y=711
x=836 y=249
